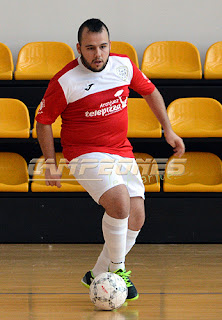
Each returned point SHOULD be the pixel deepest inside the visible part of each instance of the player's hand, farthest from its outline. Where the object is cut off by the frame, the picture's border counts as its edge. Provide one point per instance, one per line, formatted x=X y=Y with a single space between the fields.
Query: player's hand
x=176 y=142
x=52 y=176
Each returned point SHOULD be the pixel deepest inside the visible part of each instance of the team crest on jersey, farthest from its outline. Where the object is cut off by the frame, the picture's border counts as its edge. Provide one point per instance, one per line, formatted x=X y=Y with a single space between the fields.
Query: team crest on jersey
x=122 y=72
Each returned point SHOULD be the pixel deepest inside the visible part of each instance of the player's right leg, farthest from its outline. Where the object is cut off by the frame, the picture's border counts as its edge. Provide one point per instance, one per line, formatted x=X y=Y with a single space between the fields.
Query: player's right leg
x=116 y=202
x=136 y=221
x=111 y=192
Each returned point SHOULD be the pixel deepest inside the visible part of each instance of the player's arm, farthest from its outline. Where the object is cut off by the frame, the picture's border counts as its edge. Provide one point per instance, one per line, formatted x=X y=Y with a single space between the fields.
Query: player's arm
x=157 y=105
x=46 y=141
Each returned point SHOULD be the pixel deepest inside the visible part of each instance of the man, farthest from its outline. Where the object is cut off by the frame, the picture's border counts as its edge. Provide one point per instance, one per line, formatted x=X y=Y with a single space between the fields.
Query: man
x=90 y=94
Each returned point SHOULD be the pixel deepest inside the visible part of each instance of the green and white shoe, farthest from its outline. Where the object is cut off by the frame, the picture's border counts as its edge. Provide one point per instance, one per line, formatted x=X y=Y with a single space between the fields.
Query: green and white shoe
x=88 y=279
x=132 y=292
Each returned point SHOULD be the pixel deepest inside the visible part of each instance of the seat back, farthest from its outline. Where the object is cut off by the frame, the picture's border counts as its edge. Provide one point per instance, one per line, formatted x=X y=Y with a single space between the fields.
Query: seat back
x=142 y=121
x=56 y=126
x=172 y=60
x=14 y=119
x=194 y=171
x=6 y=63
x=13 y=172
x=213 y=62
x=196 y=117
x=149 y=171
x=120 y=47
x=42 y=60
x=68 y=182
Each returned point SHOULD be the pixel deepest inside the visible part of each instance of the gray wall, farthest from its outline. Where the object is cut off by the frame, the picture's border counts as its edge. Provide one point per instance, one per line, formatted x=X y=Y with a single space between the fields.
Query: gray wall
x=139 y=22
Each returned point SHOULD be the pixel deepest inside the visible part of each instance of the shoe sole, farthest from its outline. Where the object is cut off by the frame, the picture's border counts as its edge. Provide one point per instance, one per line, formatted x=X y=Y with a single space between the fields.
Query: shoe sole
x=133 y=299
x=85 y=284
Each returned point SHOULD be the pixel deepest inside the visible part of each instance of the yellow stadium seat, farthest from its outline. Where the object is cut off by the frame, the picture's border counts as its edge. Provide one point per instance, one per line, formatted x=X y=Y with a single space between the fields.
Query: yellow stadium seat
x=149 y=171
x=13 y=173
x=6 y=63
x=68 y=182
x=14 y=119
x=120 y=47
x=142 y=121
x=196 y=117
x=213 y=62
x=56 y=126
x=172 y=60
x=42 y=60
x=193 y=172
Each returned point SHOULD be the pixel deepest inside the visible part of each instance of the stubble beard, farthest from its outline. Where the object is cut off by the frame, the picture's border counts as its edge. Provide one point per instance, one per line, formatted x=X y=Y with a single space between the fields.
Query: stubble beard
x=88 y=66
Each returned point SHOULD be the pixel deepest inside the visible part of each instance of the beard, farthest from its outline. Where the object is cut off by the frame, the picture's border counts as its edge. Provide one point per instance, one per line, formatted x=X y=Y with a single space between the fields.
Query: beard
x=88 y=66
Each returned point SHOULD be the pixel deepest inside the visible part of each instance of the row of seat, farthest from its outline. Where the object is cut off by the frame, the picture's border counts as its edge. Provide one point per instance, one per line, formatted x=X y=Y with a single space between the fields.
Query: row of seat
x=189 y=117
x=193 y=172
x=162 y=59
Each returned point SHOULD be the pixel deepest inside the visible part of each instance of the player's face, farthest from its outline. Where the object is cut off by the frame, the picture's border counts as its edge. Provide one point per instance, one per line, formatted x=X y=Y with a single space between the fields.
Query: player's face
x=94 y=49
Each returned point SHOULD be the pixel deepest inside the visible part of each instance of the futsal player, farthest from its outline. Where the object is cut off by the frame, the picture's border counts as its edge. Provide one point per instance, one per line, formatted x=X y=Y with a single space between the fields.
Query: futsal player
x=90 y=94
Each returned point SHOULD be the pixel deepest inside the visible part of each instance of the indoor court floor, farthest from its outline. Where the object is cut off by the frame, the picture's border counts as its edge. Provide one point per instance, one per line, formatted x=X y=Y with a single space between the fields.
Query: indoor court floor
x=42 y=282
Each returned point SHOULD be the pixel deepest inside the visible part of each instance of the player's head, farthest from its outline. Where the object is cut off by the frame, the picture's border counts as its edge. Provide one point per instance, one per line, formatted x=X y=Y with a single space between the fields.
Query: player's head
x=93 y=25
x=94 y=44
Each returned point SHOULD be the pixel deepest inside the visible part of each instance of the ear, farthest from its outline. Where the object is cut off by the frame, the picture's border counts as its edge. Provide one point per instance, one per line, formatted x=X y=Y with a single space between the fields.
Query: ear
x=78 y=48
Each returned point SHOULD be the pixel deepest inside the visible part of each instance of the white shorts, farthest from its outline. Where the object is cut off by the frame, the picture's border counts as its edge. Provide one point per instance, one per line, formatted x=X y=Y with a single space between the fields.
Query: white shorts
x=98 y=172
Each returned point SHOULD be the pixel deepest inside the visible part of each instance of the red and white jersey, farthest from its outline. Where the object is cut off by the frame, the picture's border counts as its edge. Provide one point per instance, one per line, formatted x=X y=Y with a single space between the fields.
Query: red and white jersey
x=93 y=106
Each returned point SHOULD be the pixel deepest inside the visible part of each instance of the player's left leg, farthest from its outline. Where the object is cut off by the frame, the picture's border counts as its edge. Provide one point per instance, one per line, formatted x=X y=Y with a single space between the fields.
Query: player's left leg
x=137 y=214
x=135 y=223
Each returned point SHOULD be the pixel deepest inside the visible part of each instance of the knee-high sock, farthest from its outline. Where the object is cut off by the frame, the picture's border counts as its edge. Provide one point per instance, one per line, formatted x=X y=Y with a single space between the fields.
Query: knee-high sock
x=103 y=260
x=114 y=232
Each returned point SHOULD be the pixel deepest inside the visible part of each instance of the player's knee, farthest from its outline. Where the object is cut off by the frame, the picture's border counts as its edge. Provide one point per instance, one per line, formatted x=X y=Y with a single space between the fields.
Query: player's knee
x=116 y=202
x=120 y=211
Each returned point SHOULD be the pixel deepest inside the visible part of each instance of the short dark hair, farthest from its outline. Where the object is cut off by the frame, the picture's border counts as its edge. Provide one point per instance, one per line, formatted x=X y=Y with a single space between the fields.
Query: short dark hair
x=94 y=25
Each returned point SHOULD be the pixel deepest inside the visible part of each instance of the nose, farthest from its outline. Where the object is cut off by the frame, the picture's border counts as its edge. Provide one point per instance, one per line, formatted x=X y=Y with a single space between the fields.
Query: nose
x=98 y=52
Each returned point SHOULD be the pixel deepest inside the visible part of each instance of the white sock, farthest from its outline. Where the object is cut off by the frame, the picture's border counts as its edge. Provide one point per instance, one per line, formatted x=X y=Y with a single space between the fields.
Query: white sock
x=103 y=260
x=114 y=232
x=131 y=239
x=102 y=263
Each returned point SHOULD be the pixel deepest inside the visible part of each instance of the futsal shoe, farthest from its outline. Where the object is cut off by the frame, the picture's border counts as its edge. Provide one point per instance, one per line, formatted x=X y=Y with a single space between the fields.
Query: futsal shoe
x=88 y=279
x=132 y=292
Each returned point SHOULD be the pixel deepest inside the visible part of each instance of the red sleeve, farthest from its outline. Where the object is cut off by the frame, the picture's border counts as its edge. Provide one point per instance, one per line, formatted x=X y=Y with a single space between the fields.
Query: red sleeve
x=140 y=83
x=53 y=103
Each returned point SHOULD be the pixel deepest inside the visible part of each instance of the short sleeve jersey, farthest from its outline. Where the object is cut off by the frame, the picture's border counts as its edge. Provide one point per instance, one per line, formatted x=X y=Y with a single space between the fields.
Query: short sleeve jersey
x=93 y=106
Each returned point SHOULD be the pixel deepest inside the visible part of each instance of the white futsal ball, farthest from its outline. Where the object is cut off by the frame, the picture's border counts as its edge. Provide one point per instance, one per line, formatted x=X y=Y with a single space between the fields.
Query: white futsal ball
x=108 y=291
